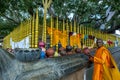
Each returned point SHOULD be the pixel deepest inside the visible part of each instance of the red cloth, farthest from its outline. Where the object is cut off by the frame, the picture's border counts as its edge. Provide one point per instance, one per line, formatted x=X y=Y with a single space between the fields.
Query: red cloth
x=109 y=42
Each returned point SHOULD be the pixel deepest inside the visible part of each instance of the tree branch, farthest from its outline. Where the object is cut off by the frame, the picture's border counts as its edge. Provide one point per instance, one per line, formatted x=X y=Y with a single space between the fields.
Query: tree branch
x=10 y=19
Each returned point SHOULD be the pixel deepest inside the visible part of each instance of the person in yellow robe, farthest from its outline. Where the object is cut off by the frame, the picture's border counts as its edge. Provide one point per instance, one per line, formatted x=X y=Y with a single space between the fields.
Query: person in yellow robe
x=105 y=67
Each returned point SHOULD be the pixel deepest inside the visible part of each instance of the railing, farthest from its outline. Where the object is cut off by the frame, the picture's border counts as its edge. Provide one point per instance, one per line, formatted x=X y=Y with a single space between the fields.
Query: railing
x=28 y=33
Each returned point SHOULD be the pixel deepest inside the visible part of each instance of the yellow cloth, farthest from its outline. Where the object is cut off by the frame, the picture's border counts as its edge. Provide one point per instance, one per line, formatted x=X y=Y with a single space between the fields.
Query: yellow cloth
x=75 y=40
x=103 y=63
x=56 y=35
x=63 y=39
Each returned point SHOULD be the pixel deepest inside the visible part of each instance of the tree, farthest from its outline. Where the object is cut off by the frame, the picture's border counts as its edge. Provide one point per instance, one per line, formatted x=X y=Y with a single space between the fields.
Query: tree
x=91 y=12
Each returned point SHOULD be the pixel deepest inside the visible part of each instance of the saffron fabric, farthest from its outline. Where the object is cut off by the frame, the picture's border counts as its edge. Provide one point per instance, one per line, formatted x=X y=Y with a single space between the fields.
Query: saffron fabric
x=111 y=73
x=104 y=65
x=75 y=40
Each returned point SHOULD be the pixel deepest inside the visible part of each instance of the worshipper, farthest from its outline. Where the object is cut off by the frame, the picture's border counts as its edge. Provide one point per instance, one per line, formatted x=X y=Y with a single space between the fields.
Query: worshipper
x=105 y=67
x=43 y=50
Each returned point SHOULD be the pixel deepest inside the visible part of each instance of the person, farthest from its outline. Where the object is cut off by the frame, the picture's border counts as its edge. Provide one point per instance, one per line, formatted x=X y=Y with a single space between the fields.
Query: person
x=41 y=45
x=105 y=67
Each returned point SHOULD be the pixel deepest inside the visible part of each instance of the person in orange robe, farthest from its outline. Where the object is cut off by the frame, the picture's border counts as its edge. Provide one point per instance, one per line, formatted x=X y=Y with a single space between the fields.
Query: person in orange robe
x=102 y=57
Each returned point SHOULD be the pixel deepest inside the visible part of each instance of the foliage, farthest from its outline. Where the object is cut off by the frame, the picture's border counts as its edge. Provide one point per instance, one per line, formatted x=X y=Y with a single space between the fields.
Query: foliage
x=91 y=12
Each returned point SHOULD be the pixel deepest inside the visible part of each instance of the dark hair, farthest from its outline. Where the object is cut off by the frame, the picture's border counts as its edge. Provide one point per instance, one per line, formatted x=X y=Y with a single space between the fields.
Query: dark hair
x=99 y=39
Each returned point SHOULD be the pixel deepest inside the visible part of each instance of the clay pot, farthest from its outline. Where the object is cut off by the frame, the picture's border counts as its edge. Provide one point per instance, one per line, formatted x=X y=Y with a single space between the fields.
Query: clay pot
x=78 y=50
x=69 y=53
x=61 y=49
x=50 y=52
x=86 y=50
x=63 y=53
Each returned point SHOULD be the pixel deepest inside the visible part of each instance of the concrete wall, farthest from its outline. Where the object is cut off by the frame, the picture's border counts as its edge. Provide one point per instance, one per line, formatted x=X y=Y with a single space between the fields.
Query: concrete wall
x=77 y=75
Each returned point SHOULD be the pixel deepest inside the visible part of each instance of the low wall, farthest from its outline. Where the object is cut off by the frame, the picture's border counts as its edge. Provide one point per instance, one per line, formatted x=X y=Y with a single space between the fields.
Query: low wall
x=77 y=75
